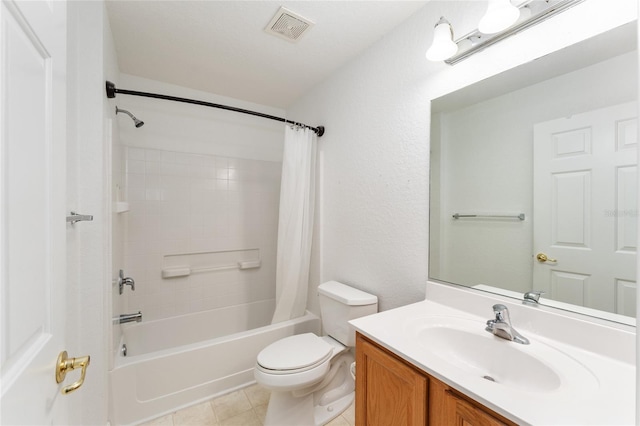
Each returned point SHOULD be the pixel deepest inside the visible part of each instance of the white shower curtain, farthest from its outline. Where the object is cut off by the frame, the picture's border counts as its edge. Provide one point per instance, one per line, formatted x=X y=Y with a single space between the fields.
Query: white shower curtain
x=295 y=224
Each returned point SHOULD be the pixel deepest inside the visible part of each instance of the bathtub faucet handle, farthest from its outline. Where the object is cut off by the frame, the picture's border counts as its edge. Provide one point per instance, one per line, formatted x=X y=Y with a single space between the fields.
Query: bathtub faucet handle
x=129 y=281
x=122 y=281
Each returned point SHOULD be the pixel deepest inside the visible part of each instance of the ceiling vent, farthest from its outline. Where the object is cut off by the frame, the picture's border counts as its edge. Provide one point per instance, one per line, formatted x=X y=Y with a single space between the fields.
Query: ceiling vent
x=288 y=25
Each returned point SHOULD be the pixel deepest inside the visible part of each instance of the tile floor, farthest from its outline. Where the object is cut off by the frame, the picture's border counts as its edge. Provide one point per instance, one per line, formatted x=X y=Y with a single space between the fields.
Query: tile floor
x=245 y=407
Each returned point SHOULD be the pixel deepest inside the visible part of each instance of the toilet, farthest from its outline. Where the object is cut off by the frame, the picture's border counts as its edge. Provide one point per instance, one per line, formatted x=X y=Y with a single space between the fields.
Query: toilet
x=309 y=376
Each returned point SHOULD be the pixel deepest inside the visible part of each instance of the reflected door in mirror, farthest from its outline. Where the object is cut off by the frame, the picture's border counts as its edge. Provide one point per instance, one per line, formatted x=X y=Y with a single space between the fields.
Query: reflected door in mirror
x=585 y=208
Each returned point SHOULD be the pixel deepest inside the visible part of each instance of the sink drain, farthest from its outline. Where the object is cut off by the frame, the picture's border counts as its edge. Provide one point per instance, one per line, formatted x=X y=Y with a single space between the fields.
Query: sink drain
x=489 y=378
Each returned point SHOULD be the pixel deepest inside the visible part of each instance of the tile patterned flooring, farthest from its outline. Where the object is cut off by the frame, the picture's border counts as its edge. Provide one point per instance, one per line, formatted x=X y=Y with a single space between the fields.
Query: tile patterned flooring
x=245 y=407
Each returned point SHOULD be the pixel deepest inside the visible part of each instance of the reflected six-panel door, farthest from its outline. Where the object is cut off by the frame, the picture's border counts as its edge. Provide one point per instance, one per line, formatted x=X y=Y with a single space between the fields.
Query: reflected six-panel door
x=585 y=208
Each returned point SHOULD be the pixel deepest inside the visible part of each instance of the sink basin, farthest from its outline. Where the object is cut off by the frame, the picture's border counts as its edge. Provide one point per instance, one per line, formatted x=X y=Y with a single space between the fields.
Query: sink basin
x=486 y=357
x=464 y=345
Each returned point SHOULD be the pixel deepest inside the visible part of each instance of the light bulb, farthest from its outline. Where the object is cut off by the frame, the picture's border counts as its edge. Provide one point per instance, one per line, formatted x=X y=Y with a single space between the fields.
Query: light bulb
x=525 y=13
x=443 y=46
x=500 y=15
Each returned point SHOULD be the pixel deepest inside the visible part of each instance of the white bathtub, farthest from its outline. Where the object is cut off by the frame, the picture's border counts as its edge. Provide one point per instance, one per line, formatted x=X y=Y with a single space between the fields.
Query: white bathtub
x=176 y=362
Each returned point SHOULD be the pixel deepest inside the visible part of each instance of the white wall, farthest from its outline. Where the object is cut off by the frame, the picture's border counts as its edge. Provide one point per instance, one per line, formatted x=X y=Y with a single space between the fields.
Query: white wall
x=197 y=180
x=638 y=273
x=487 y=167
x=116 y=180
x=373 y=205
x=176 y=126
x=89 y=246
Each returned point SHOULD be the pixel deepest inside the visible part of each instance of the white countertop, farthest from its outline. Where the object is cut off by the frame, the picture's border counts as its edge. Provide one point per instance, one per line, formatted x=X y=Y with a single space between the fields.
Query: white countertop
x=603 y=395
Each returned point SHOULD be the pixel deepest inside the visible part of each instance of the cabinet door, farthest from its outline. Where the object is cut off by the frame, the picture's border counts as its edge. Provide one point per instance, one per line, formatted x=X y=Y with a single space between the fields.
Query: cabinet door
x=388 y=391
x=470 y=415
x=446 y=407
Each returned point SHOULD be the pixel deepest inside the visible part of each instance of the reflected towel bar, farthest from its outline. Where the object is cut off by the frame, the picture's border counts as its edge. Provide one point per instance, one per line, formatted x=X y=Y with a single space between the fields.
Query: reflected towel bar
x=490 y=216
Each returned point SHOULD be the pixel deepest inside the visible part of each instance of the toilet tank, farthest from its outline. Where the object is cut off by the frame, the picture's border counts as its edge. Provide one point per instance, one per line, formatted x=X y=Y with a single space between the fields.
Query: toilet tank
x=339 y=304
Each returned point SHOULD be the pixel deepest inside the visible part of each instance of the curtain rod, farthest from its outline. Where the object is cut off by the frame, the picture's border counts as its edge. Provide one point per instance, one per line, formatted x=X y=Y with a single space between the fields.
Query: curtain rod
x=112 y=90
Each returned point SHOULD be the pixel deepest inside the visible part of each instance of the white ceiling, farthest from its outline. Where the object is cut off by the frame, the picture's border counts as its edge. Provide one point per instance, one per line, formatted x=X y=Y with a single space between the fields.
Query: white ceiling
x=221 y=47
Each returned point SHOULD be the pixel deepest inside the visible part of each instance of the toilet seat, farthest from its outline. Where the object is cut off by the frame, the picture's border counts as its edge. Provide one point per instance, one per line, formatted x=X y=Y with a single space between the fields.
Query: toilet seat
x=294 y=354
x=295 y=362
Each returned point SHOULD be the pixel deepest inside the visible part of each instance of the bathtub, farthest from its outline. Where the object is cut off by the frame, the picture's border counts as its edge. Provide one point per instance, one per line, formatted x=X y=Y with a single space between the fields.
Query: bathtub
x=176 y=362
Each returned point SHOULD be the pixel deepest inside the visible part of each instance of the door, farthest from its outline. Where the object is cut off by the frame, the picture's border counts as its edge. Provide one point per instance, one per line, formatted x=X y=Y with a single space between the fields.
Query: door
x=32 y=210
x=585 y=208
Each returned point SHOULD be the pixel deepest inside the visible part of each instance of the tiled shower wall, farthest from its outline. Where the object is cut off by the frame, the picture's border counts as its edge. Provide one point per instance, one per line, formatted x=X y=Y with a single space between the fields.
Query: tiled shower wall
x=188 y=204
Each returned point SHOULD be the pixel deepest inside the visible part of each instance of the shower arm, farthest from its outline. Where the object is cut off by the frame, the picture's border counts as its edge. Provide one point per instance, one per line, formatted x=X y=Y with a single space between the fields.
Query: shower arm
x=119 y=110
x=112 y=91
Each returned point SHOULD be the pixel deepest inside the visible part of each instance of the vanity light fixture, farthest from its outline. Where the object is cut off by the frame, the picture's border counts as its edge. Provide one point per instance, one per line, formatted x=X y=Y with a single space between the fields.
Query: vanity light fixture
x=500 y=15
x=503 y=19
x=443 y=46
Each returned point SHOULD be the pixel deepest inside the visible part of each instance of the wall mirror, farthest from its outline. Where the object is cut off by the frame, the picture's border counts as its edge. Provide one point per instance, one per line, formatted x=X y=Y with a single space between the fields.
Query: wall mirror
x=534 y=181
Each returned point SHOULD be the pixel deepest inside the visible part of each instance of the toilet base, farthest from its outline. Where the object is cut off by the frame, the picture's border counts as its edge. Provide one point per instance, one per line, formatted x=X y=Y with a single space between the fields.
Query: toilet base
x=286 y=411
x=324 y=414
x=315 y=408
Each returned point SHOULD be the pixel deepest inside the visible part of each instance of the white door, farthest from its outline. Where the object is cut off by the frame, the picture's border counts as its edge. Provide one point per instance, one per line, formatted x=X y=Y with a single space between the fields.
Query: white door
x=32 y=212
x=585 y=208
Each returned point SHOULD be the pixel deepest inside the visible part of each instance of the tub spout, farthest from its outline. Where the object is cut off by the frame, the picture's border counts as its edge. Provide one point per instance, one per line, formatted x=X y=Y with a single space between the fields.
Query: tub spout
x=124 y=318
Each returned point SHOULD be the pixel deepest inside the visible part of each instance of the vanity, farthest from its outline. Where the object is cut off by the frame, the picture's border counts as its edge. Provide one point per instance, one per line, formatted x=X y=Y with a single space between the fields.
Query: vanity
x=394 y=391
x=533 y=190
x=433 y=363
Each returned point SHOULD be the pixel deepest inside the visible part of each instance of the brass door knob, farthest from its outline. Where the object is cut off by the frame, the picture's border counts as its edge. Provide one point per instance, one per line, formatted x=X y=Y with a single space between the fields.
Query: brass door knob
x=544 y=258
x=65 y=364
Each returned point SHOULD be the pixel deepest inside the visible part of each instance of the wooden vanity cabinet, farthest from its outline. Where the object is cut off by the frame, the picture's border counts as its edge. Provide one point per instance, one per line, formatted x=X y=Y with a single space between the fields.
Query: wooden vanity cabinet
x=388 y=390
x=392 y=392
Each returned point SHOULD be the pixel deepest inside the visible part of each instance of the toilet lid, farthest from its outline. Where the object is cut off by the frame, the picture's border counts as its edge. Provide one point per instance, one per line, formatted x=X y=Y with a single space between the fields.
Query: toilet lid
x=295 y=353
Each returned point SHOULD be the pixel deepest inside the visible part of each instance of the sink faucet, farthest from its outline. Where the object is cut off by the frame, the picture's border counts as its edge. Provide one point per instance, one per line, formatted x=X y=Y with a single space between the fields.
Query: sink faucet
x=501 y=326
x=532 y=297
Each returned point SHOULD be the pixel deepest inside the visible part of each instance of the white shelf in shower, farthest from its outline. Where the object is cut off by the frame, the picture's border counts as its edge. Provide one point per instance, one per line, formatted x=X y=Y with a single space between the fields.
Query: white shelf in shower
x=121 y=207
x=183 y=265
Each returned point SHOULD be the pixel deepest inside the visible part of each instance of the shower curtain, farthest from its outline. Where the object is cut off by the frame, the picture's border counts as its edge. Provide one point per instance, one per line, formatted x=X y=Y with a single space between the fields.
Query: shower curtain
x=295 y=223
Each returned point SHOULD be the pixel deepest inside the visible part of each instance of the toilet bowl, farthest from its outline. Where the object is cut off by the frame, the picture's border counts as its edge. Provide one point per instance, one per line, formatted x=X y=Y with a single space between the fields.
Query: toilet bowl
x=309 y=376
x=296 y=361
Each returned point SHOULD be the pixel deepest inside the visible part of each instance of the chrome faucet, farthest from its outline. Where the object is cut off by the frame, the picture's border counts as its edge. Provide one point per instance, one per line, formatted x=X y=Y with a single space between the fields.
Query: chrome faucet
x=532 y=297
x=125 y=318
x=501 y=326
x=122 y=281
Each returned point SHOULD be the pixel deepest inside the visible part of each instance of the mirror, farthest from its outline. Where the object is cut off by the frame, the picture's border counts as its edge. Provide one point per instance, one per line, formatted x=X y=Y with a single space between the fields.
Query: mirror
x=534 y=182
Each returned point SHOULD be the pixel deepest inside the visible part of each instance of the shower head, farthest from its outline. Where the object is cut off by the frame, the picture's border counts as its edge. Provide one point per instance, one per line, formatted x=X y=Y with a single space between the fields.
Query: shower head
x=137 y=122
